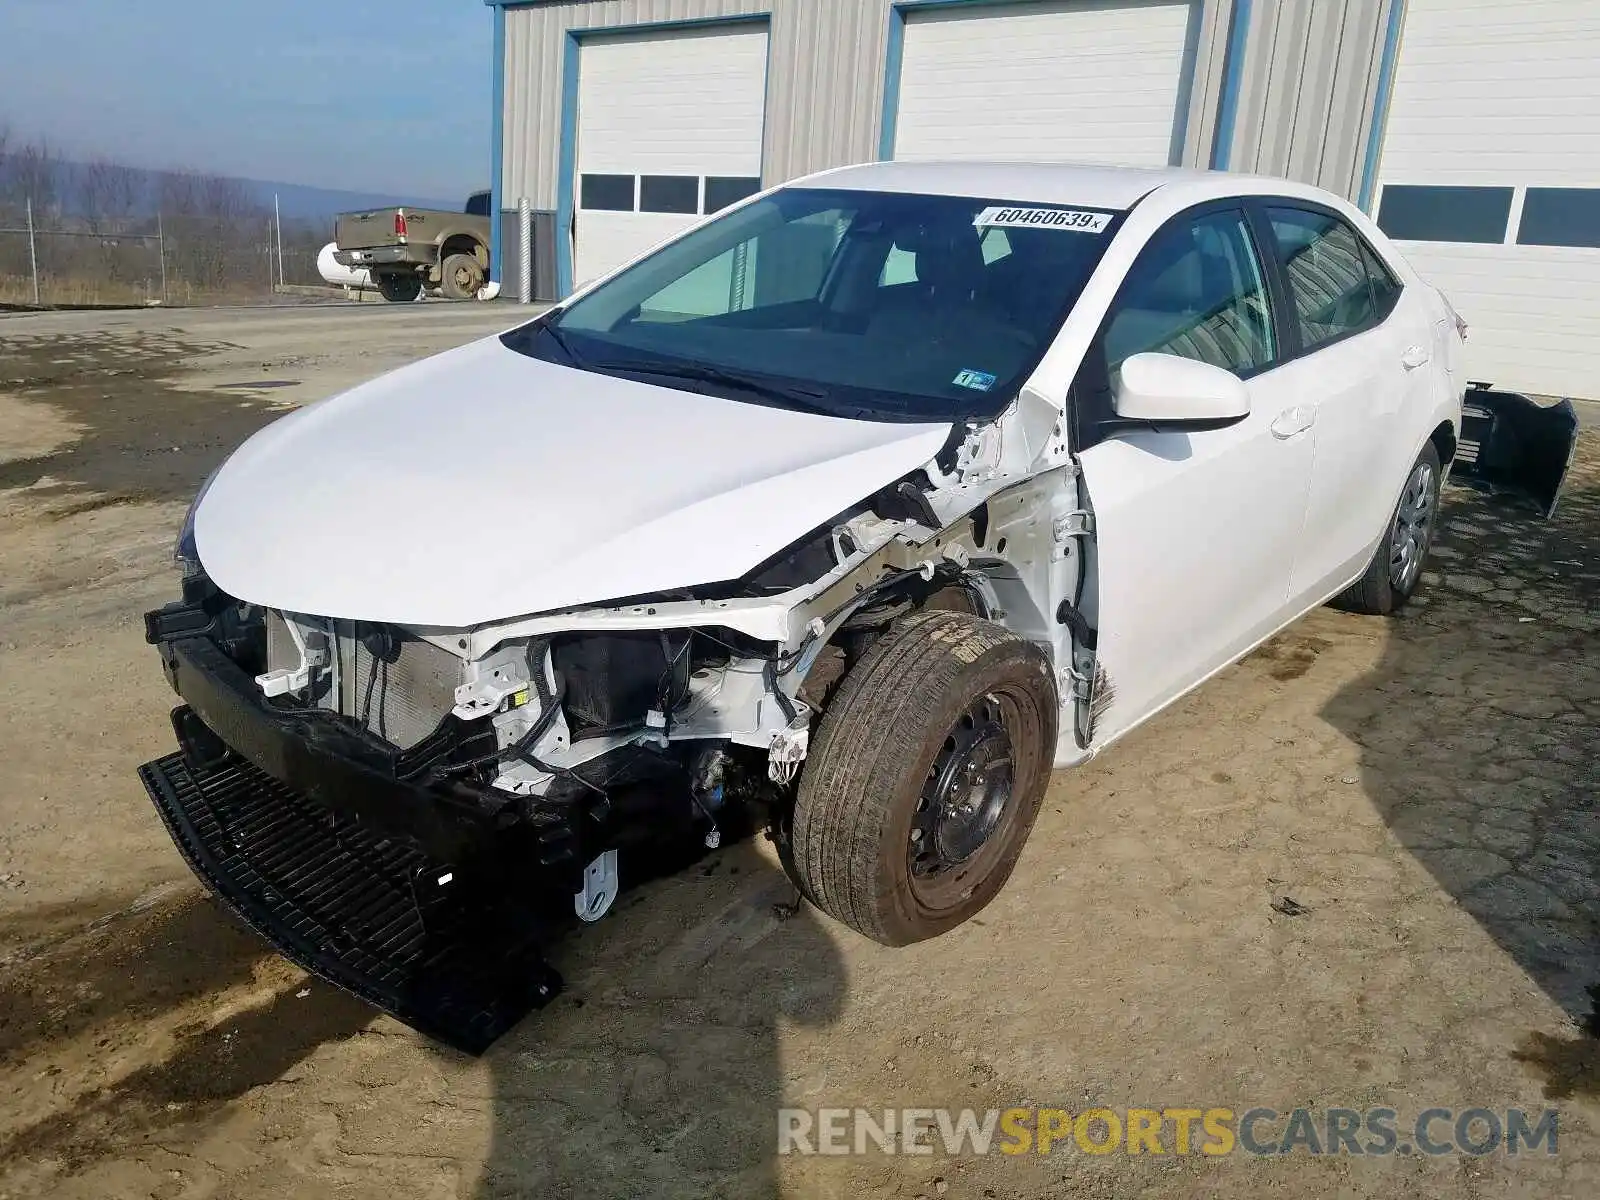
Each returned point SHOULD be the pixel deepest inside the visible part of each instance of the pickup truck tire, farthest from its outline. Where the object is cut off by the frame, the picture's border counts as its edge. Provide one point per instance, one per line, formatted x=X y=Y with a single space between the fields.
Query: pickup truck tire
x=460 y=277
x=398 y=288
x=1395 y=572
x=925 y=777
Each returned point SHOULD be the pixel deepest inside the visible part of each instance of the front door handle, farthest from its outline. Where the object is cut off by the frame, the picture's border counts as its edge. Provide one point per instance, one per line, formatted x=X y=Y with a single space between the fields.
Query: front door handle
x=1292 y=421
x=1414 y=357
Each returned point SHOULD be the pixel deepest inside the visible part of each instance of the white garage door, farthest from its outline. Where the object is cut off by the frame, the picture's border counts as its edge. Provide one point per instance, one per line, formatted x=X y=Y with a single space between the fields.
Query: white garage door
x=669 y=126
x=1090 y=82
x=1490 y=179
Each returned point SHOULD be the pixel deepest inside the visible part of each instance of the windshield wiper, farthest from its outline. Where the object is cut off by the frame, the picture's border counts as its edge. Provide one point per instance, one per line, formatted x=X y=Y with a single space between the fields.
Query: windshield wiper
x=560 y=339
x=791 y=394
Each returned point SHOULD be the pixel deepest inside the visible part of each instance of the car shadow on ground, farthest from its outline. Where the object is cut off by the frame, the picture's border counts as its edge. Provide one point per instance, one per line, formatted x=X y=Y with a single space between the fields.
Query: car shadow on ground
x=658 y=1071
x=1479 y=734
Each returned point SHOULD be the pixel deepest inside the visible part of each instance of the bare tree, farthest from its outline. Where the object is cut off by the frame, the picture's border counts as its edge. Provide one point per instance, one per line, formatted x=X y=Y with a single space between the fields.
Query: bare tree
x=109 y=193
x=110 y=199
x=218 y=238
x=33 y=172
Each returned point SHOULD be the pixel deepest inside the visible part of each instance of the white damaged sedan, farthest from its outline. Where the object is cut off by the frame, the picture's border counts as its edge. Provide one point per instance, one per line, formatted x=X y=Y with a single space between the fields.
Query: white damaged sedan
x=848 y=514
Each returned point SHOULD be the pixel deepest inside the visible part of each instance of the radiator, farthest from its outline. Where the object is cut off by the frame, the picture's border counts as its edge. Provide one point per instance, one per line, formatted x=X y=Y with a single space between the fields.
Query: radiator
x=398 y=686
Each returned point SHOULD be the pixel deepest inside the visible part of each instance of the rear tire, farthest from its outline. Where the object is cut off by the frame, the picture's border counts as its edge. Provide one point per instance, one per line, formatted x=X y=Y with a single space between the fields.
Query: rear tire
x=460 y=277
x=398 y=289
x=925 y=777
x=1395 y=573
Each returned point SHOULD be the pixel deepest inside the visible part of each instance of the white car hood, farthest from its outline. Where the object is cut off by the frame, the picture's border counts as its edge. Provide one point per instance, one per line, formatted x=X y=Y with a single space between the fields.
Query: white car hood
x=481 y=484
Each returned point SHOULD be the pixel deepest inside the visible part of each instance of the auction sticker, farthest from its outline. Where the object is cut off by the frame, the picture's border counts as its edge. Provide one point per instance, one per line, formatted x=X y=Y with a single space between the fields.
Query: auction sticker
x=1071 y=219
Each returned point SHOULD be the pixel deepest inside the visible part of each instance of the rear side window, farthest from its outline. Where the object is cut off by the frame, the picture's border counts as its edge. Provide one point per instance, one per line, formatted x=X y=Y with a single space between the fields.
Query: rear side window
x=1337 y=284
x=1196 y=291
x=1385 y=287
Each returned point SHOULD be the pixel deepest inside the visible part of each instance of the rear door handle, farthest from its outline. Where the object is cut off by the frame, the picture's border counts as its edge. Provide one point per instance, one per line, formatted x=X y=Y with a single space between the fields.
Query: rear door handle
x=1292 y=421
x=1414 y=357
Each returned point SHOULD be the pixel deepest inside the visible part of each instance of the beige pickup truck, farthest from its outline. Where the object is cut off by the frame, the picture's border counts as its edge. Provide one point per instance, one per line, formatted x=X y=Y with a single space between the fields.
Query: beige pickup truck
x=409 y=249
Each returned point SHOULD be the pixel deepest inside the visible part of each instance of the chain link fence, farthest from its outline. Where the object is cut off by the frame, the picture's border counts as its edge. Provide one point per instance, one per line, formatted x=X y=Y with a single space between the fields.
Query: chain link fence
x=51 y=257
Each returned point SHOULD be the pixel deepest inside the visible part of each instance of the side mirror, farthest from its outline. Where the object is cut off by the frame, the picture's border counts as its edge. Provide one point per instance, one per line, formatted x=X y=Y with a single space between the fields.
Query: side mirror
x=1183 y=393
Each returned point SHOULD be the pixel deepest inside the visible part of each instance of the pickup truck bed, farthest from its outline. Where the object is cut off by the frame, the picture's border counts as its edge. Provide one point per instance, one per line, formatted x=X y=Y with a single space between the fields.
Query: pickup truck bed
x=409 y=249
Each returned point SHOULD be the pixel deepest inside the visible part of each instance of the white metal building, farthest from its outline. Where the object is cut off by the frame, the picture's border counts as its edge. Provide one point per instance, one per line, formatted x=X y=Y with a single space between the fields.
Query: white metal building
x=1471 y=127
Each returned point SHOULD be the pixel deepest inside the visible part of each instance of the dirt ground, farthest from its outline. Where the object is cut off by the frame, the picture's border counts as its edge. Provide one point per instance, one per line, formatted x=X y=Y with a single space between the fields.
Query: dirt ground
x=1423 y=789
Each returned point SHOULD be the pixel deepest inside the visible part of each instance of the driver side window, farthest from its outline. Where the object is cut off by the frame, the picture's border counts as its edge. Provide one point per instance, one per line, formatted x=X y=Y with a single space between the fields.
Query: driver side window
x=1197 y=290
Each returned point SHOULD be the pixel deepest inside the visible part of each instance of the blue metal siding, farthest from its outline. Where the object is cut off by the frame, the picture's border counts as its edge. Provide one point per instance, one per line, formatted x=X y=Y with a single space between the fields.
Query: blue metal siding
x=497 y=137
x=1380 y=105
x=1233 y=74
x=1293 y=87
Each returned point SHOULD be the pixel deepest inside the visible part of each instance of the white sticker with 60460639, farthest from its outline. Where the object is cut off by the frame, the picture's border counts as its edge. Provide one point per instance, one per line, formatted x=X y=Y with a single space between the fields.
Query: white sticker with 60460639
x=1070 y=219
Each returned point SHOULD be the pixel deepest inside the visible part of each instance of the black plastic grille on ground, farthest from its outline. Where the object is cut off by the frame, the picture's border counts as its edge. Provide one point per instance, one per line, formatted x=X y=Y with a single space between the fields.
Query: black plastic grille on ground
x=366 y=913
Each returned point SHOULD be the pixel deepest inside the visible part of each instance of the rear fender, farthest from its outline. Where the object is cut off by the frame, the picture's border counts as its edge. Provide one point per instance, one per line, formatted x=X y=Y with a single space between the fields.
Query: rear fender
x=1510 y=442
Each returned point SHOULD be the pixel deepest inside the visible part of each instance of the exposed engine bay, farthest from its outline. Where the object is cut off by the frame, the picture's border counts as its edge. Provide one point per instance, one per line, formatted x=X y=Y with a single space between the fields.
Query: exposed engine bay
x=566 y=705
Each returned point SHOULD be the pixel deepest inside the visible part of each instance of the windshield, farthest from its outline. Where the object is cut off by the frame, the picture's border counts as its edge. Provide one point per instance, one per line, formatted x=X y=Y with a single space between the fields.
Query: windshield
x=879 y=305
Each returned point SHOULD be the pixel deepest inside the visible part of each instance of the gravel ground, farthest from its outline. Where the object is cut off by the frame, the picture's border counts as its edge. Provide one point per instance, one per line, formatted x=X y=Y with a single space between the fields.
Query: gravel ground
x=1422 y=789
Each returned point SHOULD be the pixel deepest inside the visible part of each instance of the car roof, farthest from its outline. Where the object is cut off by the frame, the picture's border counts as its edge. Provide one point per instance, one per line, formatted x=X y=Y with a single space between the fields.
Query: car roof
x=1091 y=185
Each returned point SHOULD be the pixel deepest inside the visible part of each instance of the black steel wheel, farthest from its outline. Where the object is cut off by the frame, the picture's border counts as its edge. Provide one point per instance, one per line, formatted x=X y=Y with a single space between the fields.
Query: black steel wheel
x=925 y=777
x=971 y=783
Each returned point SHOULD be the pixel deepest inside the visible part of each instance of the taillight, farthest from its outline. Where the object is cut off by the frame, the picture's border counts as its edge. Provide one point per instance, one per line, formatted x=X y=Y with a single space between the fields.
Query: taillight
x=1461 y=325
x=399 y=224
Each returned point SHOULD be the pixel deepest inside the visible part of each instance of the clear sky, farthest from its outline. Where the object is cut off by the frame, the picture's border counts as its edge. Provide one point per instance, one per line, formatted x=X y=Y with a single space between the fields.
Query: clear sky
x=369 y=95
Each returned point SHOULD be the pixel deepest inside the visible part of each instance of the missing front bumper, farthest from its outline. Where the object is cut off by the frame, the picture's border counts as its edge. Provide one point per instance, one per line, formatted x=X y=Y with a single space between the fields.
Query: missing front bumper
x=1509 y=442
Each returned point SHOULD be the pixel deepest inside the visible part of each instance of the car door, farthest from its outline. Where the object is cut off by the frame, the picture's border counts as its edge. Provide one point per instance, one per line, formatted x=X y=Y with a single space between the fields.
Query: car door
x=1195 y=531
x=1362 y=347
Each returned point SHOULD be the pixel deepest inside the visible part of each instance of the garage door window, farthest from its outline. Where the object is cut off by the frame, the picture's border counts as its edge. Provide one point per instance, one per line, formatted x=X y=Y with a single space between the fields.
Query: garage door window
x=1197 y=292
x=1445 y=214
x=723 y=190
x=1560 y=217
x=606 y=193
x=669 y=194
x=1337 y=284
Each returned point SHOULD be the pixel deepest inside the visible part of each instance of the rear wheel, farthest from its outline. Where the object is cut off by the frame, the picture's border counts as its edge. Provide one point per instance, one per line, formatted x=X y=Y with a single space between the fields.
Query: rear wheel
x=925 y=777
x=399 y=289
x=1395 y=572
x=460 y=277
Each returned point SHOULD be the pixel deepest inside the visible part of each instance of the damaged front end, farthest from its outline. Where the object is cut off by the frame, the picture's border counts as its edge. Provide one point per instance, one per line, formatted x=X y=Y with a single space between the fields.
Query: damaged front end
x=405 y=811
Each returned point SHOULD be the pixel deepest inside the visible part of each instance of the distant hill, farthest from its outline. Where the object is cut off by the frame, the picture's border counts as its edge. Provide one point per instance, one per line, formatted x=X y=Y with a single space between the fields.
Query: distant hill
x=298 y=201
x=70 y=187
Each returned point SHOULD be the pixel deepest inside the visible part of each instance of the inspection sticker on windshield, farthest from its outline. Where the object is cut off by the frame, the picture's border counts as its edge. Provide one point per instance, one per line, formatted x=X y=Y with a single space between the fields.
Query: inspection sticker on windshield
x=978 y=380
x=1071 y=219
